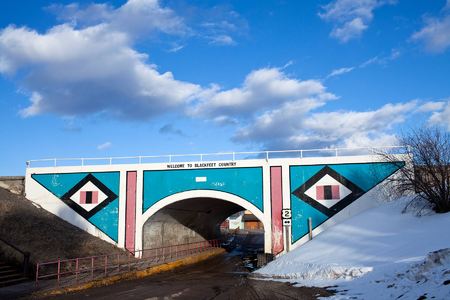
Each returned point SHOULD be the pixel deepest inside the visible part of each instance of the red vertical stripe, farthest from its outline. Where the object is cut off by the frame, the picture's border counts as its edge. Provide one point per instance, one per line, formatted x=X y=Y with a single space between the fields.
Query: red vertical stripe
x=320 y=192
x=276 y=194
x=130 y=218
x=335 y=192
x=82 y=197
x=94 y=197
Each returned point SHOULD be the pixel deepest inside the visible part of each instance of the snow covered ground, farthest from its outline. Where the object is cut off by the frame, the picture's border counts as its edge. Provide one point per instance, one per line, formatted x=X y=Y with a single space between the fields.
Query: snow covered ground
x=381 y=253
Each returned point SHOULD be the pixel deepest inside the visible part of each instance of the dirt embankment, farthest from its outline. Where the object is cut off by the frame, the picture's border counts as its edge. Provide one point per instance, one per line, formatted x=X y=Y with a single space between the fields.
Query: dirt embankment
x=43 y=234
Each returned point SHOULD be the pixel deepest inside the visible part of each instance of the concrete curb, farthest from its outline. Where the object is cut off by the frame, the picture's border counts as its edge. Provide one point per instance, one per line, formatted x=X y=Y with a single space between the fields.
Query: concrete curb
x=132 y=275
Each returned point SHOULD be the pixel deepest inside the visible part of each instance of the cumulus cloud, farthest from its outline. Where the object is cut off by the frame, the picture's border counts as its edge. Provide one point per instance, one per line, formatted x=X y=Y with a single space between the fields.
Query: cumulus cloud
x=136 y=17
x=435 y=34
x=297 y=126
x=89 y=65
x=350 y=17
x=441 y=118
x=78 y=71
x=431 y=106
x=261 y=89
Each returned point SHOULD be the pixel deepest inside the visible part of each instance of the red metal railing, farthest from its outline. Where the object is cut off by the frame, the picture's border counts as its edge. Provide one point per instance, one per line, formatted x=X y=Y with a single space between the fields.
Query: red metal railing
x=81 y=269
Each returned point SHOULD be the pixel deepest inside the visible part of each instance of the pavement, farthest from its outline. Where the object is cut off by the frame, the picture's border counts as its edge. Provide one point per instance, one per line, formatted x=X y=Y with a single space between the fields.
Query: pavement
x=220 y=277
x=224 y=276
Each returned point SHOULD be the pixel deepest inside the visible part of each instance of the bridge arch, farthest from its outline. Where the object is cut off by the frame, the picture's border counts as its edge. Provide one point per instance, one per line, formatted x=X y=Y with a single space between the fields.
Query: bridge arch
x=222 y=205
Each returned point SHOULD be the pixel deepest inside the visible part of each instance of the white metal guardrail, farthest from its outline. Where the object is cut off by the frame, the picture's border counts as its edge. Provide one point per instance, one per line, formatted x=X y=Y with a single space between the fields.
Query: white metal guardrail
x=220 y=156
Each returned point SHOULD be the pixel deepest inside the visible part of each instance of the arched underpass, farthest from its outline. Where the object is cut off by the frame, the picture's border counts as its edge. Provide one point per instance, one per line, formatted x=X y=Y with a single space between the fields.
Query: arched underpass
x=194 y=220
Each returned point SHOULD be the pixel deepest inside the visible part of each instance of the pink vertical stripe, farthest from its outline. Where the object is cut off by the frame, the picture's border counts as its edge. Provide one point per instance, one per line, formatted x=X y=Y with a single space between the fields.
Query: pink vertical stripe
x=94 y=197
x=276 y=194
x=335 y=192
x=320 y=192
x=130 y=218
x=82 y=197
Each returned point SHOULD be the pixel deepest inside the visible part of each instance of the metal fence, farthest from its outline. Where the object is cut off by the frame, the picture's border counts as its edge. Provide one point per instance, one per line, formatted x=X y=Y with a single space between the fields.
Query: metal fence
x=221 y=156
x=63 y=272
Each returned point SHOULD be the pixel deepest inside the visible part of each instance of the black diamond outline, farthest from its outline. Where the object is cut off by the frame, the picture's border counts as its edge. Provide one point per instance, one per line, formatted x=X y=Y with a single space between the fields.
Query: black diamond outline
x=80 y=210
x=356 y=192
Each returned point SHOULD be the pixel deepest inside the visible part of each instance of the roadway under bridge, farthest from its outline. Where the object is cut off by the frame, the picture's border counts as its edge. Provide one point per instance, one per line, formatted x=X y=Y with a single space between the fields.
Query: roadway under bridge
x=187 y=221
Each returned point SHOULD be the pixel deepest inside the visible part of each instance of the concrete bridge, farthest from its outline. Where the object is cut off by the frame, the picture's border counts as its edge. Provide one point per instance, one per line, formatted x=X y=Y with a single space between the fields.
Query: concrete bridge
x=137 y=203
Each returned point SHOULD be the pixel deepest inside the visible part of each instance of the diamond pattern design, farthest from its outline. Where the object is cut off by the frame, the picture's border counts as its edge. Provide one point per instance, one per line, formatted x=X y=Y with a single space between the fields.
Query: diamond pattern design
x=328 y=191
x=75 y=197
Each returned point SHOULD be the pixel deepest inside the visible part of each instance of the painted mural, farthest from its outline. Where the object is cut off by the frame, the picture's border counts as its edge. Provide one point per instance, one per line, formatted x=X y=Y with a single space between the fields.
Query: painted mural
x=318 y=189
x=94 y=196
x=246 y=183
x=321 y=191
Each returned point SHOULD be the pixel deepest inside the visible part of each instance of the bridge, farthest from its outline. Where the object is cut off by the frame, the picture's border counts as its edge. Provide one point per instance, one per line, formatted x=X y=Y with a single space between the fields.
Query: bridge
x=150 y=201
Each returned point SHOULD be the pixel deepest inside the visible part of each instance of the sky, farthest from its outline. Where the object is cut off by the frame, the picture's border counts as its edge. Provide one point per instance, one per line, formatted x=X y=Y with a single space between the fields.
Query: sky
x=147 y=77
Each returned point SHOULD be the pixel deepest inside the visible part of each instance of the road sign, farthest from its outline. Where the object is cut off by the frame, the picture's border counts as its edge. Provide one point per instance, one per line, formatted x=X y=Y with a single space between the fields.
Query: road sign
x=286 y=213
x=286 y=222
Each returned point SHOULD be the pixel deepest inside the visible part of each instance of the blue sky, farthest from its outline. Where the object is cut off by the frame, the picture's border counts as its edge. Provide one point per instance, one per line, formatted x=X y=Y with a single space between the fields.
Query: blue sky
x=141 y=77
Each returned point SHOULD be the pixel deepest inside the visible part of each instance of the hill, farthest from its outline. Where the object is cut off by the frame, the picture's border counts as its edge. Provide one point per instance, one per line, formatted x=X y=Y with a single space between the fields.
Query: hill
x=382 y=253
x=44 y=235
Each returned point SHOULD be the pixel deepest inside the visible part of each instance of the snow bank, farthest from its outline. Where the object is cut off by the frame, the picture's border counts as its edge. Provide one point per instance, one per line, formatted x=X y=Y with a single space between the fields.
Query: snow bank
x=379 y=246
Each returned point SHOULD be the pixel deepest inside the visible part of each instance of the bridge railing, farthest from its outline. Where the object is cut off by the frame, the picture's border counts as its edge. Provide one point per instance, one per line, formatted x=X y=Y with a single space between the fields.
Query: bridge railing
x=64 y=272
x=220 y=156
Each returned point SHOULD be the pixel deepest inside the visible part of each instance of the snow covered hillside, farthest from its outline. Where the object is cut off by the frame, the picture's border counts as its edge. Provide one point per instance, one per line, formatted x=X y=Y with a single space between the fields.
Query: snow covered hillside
x=380 y=254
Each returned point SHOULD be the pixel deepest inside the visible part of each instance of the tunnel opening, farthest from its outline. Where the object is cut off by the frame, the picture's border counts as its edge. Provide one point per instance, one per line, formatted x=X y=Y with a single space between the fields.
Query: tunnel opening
x=198 y=219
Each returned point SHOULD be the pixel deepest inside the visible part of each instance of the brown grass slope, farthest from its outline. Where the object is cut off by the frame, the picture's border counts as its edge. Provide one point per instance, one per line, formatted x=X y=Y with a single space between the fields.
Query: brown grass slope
x=43 y=234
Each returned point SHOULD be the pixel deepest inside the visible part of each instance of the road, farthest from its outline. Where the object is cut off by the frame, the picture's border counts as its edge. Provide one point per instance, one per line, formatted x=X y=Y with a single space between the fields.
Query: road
x=221 y=277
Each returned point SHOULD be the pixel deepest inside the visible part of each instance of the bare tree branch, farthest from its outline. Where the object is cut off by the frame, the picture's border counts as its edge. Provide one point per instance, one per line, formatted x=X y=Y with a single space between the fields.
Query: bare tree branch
x=428 y=173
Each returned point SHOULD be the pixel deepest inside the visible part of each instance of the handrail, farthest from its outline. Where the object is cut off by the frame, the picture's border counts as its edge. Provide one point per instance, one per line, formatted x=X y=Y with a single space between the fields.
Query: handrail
x=25 y=254
x=12 y=246
x=54 y=260
x=228 y=155
x=88 y=268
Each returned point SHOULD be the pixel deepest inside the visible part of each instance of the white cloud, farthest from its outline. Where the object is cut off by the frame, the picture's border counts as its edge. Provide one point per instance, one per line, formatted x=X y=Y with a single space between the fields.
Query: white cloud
x=220 y=26
x=104 y=146
x=135 y=17
x=222 y=40
x=441 y=118
x=350 y=17
x=431 y=106
x=435 y=34
x=89 y=66
x=340 y=71
x=349 y=30
x=262 y=89
x=176 y=48
x=382 y=60
x=70 y=71
x=298 y=126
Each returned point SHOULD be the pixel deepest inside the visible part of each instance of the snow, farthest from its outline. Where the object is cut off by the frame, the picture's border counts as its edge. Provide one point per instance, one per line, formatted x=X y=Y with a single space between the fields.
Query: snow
x=381 y=253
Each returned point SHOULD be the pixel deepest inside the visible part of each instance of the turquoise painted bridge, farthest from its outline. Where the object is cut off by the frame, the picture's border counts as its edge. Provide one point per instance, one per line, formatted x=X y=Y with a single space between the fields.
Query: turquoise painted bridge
x=137 y=204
